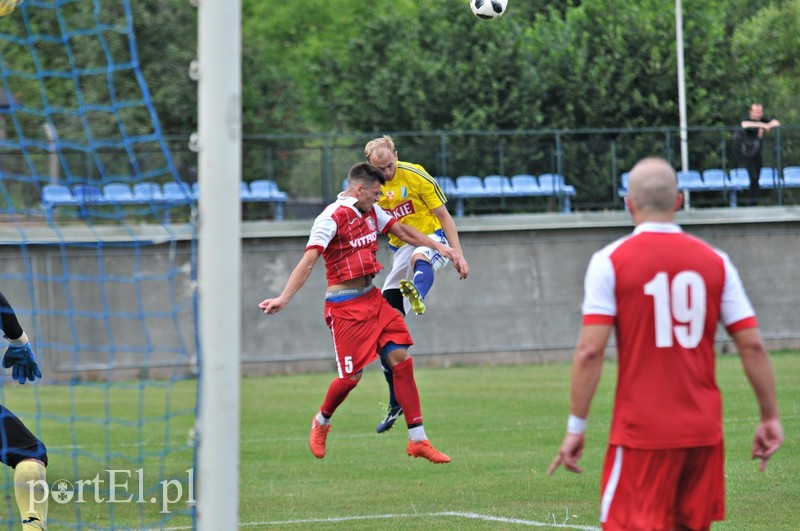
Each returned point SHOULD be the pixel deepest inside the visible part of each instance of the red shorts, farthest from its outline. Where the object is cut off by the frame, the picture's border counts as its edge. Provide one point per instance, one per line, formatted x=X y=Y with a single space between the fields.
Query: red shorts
x=655 y=489
x=361 y=327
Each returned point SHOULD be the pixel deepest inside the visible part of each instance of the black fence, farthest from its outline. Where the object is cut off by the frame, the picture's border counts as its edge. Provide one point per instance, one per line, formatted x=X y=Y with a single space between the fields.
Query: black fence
x=312 y=167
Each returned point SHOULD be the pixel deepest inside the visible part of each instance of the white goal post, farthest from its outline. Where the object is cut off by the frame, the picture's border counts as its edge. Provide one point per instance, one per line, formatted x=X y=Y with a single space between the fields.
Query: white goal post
x=219 y=173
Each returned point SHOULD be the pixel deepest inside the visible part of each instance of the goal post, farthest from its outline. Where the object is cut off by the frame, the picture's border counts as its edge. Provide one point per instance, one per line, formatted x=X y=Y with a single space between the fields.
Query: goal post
x=219 y=155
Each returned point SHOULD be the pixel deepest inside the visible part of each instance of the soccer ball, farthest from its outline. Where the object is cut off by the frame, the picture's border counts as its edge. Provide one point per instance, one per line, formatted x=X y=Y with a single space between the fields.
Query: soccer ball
x=488 y=9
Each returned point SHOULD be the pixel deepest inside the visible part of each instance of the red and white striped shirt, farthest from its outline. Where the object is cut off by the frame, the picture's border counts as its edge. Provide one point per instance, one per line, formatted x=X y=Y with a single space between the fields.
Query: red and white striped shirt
x=664 y=291
x=348 y=239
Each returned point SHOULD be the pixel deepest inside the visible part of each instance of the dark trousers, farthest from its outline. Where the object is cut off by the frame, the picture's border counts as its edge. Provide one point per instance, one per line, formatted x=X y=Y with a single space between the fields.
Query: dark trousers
x=753 y=165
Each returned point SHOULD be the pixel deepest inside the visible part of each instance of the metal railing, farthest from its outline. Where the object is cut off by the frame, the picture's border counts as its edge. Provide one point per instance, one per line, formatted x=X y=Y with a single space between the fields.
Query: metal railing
x=311 y=167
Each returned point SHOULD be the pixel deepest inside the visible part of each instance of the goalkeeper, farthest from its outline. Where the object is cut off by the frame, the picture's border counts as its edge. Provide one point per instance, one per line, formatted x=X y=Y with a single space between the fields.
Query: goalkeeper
x=414 y=198
x=19 y=448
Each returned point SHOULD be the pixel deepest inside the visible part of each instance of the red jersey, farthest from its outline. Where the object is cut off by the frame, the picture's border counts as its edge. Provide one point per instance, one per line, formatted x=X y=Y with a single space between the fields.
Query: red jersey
x=348 y=239
x=664 y=292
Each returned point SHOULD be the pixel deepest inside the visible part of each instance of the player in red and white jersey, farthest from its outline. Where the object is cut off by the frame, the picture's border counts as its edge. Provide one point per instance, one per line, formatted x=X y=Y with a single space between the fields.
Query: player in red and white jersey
x=363 y=325
x=663 y=293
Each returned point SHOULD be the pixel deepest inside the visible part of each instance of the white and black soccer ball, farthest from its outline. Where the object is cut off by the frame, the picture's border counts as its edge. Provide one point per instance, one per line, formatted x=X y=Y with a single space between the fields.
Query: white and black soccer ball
x=488 y=9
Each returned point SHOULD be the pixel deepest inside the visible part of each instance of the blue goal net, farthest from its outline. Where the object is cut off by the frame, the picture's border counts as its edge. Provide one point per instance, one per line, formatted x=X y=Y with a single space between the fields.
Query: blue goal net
x=98 y=260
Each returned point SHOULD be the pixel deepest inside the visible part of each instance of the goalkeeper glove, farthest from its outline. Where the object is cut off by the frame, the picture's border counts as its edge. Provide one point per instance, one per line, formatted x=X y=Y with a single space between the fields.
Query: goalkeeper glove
x=19 y=356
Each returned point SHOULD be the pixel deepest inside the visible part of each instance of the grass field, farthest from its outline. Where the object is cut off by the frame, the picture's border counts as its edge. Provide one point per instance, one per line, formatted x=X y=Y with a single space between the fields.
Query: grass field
x=501 y=426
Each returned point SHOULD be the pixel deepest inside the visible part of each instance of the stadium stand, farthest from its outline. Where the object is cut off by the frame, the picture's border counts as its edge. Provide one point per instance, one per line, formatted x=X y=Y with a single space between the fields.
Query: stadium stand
x=148 y=193
x=503 y=187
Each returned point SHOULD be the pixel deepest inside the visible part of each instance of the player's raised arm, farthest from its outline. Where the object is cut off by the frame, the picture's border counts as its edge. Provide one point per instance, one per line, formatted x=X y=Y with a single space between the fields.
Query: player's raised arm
x=296 y=281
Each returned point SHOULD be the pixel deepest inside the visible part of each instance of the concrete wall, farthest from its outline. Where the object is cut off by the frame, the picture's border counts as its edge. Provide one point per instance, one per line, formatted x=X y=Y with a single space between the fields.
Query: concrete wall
x=521 y=302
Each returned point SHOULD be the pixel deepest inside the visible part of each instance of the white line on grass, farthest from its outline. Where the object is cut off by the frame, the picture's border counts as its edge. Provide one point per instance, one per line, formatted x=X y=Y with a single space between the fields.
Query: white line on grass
x=454 y=514
x=469 y=516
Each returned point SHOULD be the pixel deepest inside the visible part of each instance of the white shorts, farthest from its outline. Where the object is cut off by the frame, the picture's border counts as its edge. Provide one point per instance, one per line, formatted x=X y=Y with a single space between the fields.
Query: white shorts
x=401 y=261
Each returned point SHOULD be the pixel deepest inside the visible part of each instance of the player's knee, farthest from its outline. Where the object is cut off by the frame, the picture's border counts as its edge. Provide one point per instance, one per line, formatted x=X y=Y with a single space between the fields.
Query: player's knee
x=395 y=299
x=397 y=356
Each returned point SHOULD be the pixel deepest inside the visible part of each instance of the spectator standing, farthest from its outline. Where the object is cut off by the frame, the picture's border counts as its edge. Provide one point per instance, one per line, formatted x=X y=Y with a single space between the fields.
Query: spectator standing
x=751 y=145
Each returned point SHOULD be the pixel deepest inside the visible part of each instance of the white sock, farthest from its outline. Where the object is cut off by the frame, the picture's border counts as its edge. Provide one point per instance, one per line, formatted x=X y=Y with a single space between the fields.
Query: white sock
x=322 y=421
x=417 y=433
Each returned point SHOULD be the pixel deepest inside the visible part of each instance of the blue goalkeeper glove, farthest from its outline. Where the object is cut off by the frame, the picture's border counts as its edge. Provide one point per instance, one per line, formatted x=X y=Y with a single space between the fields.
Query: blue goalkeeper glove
x=22 y=362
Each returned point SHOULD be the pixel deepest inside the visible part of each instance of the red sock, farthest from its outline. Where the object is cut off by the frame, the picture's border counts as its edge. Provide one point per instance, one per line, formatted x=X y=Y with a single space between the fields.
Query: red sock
x=405 y=389
x=337 y=392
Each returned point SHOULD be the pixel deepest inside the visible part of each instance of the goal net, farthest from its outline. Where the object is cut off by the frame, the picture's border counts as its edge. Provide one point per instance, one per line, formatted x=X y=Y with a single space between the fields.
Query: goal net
x=99 y=262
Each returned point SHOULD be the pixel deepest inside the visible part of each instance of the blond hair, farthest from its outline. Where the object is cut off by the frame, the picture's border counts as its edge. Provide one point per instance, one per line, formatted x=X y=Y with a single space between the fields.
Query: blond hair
x=384 y=142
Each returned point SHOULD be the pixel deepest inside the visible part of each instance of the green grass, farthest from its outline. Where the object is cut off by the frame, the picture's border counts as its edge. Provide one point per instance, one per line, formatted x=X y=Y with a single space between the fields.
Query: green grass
x=500 y=425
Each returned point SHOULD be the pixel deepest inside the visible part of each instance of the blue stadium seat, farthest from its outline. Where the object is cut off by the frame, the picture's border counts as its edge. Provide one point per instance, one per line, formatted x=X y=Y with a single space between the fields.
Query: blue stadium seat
x=118 y=194
x=524 y=184
x=88 y=194
x=791 y=176
x=555 y=185
x=244 y=192
x=769 y=178
x=448 y=186
x=177 y=192
x=690 y=180
x=497 y=185
x=58 y=195
x=622 y=191
x=267 y=190
x=740 y=178
x=467 y=186
x=147 y=192
x=716 y=179
x=470 y=186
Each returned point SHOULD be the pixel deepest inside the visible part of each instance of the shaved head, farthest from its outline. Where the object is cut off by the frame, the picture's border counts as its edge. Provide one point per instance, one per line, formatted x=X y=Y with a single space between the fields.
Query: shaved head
x=653 y=187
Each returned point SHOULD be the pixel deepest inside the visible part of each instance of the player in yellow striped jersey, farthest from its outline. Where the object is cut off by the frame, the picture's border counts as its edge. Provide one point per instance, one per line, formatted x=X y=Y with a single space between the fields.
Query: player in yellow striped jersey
x=412 y=196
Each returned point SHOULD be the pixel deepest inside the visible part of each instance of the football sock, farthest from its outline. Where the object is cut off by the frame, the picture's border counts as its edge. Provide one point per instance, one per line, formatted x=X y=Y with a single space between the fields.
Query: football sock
x=417 y=433
x=387 y=373
x=31 y=499
x=423 y=277
x=322 y=420
x=405 y=389
x=337 y=392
